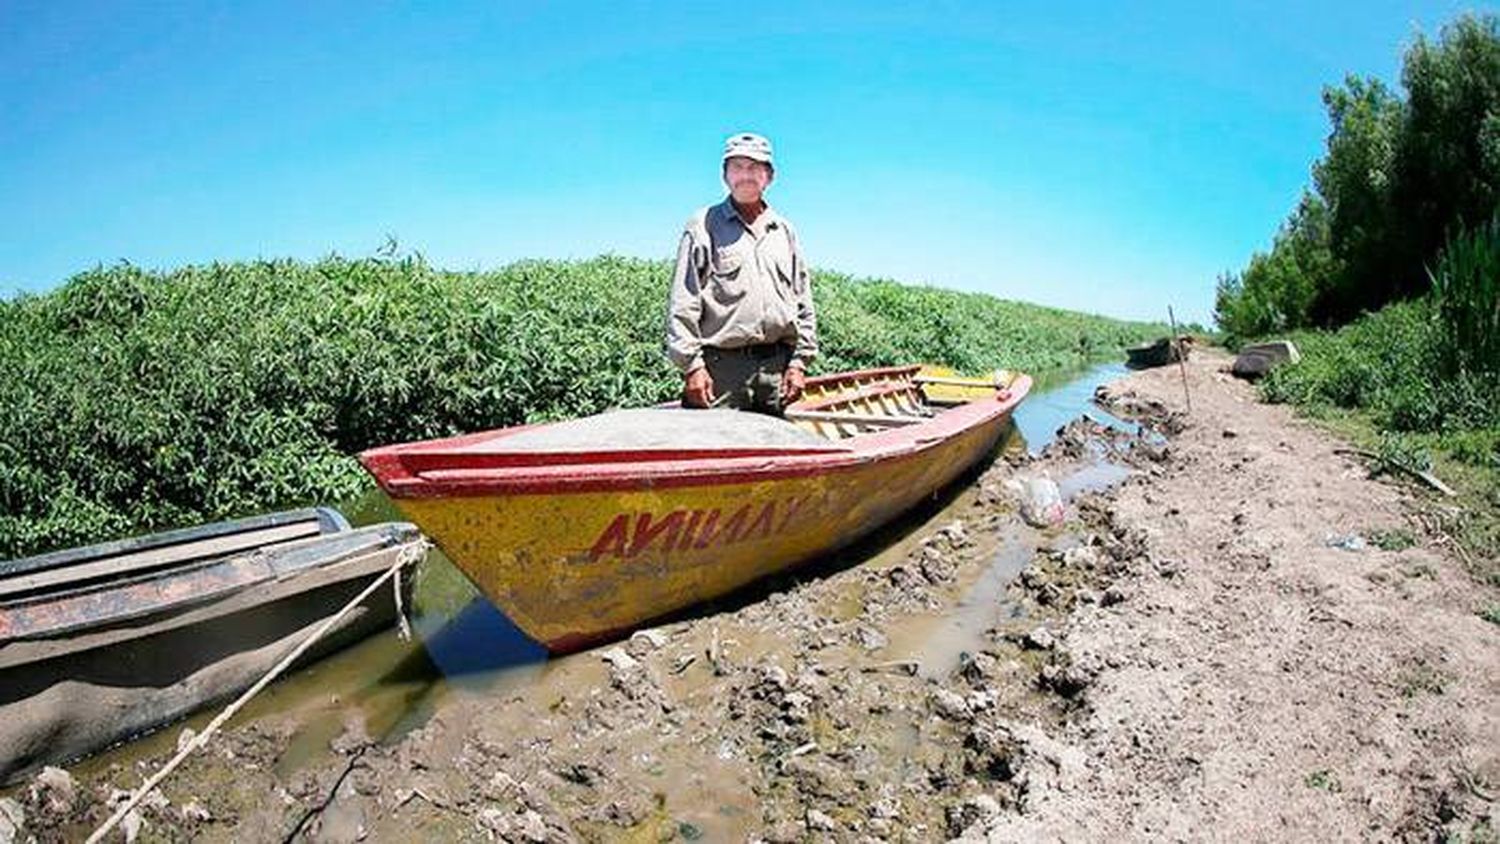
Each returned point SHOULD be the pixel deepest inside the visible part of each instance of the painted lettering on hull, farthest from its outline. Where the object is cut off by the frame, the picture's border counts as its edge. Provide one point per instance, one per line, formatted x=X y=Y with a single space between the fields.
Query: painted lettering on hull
x=631 y=534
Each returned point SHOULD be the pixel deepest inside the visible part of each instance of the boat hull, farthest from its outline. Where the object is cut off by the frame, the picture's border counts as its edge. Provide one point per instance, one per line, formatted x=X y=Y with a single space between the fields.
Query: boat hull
x=87 y=662
x=576 y=560
x=572 y=569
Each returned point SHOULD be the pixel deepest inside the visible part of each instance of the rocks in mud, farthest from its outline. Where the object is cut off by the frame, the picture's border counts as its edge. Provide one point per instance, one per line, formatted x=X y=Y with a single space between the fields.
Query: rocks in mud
x=779 y=705
x=976 y=811
x=354 y=738
x=950 y=705
x=979 y=669
x=1124 y=544
x=629 y=810
x=619 y=661
x=1068 y=677
x=993 y=751
x=956 y=533
x=819 y=822
x=784 y=831
x=1127 y=403
x=935 y=566
x=1081 y=557
x=55 y=790
x=817 y=777
x=869 y=638
x=526 y=825
x=12 y=820
x=633 y=679
x=1039 y=639
x=643 y=642
x=1154 y=450
x=581 y=773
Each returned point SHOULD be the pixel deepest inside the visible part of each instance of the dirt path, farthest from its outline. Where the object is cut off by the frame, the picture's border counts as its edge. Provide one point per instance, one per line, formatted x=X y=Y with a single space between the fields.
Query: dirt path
x=1187 y=657
x=1259 y=681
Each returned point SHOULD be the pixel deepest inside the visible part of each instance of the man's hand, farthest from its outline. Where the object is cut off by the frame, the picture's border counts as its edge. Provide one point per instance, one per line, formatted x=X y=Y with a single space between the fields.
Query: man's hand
x=698 y=389
x=792 y=382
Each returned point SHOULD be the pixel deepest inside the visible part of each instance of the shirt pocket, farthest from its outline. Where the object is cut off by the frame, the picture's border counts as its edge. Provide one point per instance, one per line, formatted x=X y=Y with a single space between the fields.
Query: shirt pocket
x=778 y=254
x=726 y=273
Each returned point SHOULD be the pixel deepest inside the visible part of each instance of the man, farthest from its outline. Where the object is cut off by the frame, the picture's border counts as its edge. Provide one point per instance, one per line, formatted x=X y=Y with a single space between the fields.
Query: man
x=740 y=325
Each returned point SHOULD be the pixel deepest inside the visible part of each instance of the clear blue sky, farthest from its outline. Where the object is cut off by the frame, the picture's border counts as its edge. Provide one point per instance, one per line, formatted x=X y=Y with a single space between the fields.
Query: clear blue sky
x=1110 y=157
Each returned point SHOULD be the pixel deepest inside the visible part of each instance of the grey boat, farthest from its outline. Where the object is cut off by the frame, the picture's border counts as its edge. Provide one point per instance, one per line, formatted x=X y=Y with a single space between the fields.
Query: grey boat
x=102 y=643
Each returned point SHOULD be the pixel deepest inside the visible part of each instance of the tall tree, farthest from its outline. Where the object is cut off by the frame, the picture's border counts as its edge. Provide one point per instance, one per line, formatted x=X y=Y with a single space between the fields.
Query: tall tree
x=1356 y=178
x=1448 y=164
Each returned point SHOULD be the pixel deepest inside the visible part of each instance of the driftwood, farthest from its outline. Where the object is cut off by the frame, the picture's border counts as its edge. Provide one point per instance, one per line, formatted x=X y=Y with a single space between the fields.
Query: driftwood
x=1420 y=474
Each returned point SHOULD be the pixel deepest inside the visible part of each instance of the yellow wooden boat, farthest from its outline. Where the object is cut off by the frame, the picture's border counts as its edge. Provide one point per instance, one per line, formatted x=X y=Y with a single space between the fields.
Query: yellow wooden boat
x=582 y=530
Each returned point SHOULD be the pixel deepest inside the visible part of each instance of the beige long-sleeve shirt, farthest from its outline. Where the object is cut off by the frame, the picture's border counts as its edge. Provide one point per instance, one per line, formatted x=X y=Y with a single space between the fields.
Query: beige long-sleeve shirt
x=739 y=284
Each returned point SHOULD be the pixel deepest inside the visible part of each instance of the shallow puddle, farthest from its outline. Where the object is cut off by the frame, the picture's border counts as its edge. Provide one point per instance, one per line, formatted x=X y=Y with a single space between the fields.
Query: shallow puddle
x=938 y=644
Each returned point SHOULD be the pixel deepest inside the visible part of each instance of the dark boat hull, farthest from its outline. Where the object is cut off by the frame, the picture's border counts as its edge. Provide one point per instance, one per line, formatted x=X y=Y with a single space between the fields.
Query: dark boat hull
x=86 y=663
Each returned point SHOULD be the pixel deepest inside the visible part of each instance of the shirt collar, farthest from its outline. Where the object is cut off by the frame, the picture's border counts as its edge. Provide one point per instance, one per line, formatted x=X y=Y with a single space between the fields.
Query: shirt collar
x=767 y=220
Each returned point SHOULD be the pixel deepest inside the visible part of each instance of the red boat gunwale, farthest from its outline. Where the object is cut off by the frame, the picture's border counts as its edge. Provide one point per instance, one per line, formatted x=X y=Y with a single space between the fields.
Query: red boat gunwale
x=454 y=467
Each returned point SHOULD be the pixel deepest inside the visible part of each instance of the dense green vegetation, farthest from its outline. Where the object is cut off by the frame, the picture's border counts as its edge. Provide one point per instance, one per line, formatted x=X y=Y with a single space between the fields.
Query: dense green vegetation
x=1398 y=242
x=133 y=400
x=1418 y=383
x=1398 y=179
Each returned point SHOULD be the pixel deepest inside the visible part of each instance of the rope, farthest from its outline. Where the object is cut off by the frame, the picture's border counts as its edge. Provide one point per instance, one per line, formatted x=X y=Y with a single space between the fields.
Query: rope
x=403 y=628
x=411 y=554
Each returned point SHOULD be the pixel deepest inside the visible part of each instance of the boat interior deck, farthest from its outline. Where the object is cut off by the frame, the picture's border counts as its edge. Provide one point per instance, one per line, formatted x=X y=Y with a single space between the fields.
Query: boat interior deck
x=660 y=428
x=31 y=578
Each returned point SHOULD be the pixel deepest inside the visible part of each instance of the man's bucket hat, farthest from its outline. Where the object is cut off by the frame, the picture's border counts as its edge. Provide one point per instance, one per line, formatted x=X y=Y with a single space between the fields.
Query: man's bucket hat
x=748 y=145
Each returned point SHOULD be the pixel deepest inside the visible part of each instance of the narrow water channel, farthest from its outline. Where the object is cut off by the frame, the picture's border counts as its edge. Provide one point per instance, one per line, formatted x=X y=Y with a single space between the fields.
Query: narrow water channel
x=463 y=645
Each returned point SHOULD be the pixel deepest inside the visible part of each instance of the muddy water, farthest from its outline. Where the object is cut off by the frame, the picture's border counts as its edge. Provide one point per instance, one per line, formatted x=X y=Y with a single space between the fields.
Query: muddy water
x=463 y=646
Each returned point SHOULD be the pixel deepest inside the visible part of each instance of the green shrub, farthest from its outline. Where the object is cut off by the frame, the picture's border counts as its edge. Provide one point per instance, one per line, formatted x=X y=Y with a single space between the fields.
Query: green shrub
x=1391 y=363
x=1467 y=287
x=134 y=400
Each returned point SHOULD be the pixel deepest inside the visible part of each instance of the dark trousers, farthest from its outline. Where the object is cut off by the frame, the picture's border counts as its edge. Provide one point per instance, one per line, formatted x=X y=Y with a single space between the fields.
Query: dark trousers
x=748 y=378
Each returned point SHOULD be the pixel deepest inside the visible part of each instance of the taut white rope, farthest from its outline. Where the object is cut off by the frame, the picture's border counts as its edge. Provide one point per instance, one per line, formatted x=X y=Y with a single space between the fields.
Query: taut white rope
x=409 y=555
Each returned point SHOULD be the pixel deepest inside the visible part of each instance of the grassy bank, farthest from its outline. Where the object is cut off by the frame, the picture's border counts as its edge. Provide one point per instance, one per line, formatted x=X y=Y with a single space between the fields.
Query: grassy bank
x=133 y=400
x=1382 y=383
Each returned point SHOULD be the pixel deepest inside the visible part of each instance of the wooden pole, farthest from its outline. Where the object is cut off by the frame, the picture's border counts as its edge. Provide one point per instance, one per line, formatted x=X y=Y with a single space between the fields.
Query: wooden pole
x=1181 y=358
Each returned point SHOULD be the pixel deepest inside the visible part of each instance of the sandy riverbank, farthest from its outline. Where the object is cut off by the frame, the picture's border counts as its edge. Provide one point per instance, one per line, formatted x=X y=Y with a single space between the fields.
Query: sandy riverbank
x=1187 y=657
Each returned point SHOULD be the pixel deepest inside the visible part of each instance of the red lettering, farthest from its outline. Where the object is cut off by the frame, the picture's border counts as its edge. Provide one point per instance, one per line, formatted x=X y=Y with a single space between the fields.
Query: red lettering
x=729 y=533
x=762 y=522
x=646 y=532
x=612 y=540
x=683 y=530
x=793 y=506
x=691 y=530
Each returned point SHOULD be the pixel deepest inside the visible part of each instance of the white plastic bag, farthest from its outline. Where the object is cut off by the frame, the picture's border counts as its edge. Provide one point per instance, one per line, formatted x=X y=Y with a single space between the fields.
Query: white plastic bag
x=1041 y=502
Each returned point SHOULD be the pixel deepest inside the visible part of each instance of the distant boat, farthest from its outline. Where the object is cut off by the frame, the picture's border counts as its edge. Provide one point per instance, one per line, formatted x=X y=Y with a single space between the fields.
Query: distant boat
x=101 y=643
x=1256 y=360
x=1158 y=353
x=582 y=530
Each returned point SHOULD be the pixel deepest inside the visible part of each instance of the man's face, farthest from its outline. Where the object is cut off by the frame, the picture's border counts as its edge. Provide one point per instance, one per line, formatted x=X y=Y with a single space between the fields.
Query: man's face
x=747 y=179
